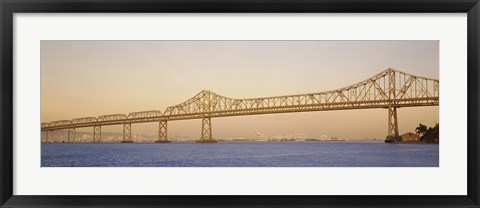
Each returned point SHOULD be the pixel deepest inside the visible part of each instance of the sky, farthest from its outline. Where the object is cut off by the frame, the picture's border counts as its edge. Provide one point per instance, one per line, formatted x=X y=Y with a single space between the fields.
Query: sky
x=93 y=78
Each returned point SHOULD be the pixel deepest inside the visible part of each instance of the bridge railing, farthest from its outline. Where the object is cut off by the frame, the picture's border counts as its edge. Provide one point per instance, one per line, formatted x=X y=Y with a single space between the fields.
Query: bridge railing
x=145 y=114
x=112 y=117
x=60 y=123
x=84 y=120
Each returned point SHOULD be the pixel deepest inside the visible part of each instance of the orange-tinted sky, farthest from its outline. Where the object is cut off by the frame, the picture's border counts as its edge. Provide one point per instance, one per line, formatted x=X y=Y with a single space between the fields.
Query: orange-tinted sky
x=92 y=78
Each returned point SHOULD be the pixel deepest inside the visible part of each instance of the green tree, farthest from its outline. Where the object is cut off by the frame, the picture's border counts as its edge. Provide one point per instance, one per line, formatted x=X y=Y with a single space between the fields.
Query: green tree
x=421 y=129
x=432 y=135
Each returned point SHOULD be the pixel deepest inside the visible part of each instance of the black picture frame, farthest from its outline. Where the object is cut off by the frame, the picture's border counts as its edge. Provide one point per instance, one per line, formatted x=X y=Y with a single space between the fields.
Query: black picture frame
x=9 y=7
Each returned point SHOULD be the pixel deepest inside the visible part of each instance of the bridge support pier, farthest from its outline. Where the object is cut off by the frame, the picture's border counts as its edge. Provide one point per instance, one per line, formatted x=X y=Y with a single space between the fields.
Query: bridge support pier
x=162 y=132
x=206 y=136
x=71 y=135
x=97 y=133
x=127 y=133
x=46 y=136
x=52 y=138
x=393 y=135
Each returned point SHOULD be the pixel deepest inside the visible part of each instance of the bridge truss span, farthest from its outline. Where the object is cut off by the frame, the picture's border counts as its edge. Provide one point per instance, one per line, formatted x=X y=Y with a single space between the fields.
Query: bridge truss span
x=390 y=89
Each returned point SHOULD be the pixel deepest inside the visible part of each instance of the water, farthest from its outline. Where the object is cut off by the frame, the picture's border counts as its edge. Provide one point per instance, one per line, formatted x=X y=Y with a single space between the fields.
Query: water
x=240 y=154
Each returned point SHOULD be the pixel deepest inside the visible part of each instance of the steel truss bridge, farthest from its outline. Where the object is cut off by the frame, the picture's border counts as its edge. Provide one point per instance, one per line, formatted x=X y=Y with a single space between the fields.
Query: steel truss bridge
x=389 y=89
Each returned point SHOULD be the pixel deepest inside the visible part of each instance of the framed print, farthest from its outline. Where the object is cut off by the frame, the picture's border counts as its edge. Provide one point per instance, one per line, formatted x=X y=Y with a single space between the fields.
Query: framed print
x=239 y=104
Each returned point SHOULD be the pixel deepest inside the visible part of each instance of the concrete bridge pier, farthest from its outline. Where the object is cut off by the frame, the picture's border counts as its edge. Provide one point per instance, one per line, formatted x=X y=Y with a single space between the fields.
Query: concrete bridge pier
x=162 y=132
x=127 y=133
x=206 y=136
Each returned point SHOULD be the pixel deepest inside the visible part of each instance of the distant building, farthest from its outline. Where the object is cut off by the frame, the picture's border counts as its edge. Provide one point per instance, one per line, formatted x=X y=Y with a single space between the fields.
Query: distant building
x=410 y=137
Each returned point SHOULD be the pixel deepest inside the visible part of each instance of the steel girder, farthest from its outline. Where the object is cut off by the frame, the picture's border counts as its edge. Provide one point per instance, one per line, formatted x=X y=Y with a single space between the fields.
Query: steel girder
x=388 y=89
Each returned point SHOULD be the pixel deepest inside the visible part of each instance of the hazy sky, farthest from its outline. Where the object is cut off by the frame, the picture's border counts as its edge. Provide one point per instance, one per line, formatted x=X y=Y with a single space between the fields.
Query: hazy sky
x=92 y=78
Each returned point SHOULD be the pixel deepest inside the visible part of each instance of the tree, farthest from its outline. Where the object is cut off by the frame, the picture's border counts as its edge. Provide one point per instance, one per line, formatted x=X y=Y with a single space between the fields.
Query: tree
x=428 y=134
x=432 y=135
x=421 y=129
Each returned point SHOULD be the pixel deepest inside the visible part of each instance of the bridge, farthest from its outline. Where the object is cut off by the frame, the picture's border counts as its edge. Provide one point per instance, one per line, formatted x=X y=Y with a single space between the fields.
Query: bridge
x=389 y=89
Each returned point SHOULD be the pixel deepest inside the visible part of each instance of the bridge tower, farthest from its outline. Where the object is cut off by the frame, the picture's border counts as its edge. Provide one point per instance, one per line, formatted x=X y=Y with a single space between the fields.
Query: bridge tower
x=392 y=135
x=127 y=133
x=206 y=136
x=97 y=133
x=162 y=132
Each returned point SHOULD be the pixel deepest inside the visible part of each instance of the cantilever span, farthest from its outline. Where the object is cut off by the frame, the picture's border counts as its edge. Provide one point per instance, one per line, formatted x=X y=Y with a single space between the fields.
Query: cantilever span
x=389 y=89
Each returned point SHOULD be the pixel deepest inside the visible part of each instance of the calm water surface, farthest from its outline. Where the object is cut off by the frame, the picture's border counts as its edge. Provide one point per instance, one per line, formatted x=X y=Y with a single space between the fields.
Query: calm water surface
x=240 y=154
